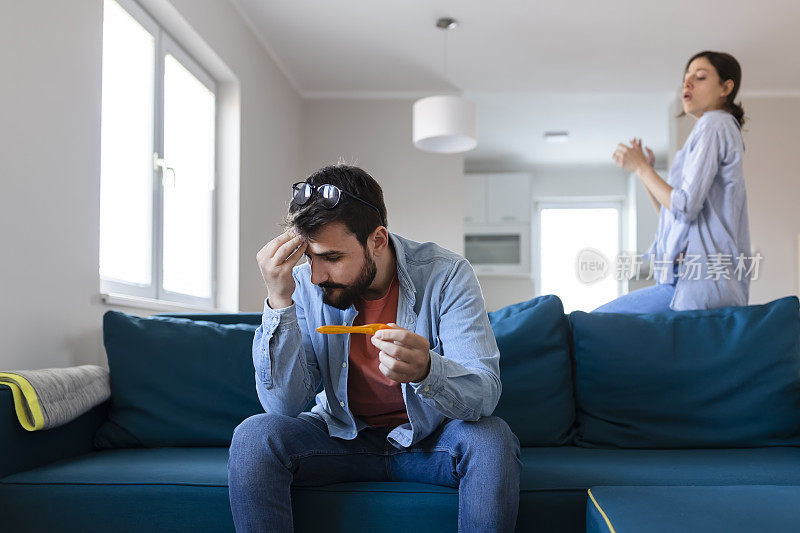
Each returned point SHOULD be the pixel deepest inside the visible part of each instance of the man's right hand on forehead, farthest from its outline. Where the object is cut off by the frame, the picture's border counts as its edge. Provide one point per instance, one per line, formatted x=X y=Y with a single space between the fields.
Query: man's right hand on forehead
x=276 y=260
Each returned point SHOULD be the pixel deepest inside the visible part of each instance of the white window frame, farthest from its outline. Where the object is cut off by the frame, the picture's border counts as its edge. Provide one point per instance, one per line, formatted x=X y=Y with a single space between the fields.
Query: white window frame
x=154 y=295
x=571 y=202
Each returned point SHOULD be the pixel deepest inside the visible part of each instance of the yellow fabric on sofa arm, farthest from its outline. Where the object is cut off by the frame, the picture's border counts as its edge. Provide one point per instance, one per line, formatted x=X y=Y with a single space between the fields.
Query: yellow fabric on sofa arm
x=51 y=397
x=26 y=403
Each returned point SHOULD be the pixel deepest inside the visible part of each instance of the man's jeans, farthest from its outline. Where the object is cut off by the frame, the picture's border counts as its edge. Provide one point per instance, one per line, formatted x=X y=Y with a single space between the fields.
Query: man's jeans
x=271 y=452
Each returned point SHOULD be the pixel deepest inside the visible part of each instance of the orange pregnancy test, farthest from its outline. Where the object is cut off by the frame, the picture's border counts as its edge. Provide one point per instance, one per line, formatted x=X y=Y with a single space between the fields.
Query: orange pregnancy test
x=368 y=329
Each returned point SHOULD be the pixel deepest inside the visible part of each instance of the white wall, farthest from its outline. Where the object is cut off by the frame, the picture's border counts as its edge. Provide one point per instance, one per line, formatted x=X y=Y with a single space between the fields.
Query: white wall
x=646 y=220
x=771 y=135
x=772 y=175
x=50 y=52
x=424 y=192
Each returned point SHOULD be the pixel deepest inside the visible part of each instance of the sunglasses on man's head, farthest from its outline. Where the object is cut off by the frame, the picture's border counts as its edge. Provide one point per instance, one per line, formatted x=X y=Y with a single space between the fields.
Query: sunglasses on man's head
x=328 y=195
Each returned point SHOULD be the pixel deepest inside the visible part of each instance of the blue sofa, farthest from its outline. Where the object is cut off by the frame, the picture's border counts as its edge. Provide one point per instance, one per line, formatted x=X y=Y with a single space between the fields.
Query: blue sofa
x=688 y=509
x=696 y=398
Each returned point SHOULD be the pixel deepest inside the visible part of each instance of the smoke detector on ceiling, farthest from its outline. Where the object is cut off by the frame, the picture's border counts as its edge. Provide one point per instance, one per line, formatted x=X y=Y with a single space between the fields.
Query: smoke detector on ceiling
x=556 y=137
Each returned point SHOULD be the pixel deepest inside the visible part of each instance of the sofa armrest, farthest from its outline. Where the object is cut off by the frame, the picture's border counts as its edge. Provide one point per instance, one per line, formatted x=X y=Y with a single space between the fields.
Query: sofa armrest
x=23 y=450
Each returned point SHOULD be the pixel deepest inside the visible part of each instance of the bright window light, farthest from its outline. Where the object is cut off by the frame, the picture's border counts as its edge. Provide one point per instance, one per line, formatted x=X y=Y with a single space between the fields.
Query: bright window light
x=126 y=156
x=565 y=234
x=189 y=119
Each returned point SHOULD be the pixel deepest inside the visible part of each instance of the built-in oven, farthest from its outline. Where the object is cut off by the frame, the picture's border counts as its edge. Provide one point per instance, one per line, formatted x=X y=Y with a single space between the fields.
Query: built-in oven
x=498 y=249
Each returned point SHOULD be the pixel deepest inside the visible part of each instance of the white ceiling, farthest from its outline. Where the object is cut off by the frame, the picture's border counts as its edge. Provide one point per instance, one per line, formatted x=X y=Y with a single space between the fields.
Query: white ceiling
x=604 y=71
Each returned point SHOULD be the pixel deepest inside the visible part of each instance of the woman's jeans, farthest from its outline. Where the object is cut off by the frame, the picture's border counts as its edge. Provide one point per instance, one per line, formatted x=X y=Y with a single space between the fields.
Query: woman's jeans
x=655 y=299
x=271 y=452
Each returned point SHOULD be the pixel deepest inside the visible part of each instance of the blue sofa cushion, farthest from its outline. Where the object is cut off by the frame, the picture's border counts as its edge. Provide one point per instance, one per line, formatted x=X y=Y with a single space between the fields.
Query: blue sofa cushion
x=557 y=468
x=726 y=377
x=535 y=369
x=176 y=382
x=693 y=509
x=187 y=487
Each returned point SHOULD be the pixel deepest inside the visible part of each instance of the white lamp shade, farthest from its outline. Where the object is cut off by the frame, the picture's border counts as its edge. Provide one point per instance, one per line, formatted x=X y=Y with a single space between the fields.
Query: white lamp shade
x=445 y=124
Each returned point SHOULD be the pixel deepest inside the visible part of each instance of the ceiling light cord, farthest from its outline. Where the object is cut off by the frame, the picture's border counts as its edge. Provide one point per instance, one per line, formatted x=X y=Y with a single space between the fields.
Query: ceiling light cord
x=445 y=24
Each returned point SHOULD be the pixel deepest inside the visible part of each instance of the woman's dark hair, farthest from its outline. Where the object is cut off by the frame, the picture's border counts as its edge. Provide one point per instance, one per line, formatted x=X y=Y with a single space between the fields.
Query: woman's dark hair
x=360 y=219
x=727 y=69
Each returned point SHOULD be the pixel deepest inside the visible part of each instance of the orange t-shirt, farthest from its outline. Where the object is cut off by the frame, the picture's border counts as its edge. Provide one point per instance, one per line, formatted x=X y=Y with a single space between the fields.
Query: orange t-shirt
x=374 y=398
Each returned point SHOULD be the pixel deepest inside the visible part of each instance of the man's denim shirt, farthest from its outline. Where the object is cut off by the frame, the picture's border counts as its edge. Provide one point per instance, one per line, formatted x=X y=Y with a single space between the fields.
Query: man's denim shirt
x=439 y=299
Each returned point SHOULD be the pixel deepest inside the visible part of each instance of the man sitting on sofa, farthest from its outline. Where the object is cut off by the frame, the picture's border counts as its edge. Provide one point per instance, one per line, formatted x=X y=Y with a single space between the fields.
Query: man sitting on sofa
x=392 y=408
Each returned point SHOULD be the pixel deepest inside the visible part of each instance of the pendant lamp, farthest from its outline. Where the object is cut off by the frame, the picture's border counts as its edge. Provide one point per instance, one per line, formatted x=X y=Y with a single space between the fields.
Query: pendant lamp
x=445 y=124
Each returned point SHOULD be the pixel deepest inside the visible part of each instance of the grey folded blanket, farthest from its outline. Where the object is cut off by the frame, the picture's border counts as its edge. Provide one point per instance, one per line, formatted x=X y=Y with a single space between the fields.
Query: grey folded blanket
x=51 y=397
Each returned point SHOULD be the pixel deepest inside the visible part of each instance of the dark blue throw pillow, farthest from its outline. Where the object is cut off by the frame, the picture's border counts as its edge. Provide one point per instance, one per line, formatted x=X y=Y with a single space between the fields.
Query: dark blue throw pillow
x=726 y=377
x=537 y=399
x=176 y=382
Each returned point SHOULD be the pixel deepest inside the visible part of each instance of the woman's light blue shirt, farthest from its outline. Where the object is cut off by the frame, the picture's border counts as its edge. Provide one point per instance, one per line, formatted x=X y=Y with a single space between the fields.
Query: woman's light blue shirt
x=707 y=218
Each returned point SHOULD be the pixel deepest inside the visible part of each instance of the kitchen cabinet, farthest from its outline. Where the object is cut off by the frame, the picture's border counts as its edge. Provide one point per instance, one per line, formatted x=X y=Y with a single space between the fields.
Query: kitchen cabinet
x=497 y=198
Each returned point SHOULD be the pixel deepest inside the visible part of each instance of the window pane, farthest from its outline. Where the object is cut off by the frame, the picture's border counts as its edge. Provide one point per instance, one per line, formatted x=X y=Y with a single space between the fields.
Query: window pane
x=126 y=157
x=189 y=119
x=565 y=233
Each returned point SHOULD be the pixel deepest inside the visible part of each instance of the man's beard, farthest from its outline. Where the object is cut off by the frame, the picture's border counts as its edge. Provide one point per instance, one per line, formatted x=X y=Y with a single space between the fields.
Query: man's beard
x=343 y=296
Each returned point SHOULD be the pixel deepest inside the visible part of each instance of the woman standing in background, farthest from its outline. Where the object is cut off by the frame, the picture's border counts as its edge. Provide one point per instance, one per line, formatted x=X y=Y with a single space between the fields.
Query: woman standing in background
x=703 y=230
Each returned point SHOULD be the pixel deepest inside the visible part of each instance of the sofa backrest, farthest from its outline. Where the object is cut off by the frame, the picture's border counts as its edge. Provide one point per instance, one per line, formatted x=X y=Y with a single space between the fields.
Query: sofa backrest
x=219 y=318
x=535 y=371
x=176 y=381
x=726 y=377
x=720 y=378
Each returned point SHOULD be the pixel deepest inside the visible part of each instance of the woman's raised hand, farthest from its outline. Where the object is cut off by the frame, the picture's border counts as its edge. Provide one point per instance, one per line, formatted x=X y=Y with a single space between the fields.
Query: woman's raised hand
x=651 y=157
x=631 y=158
